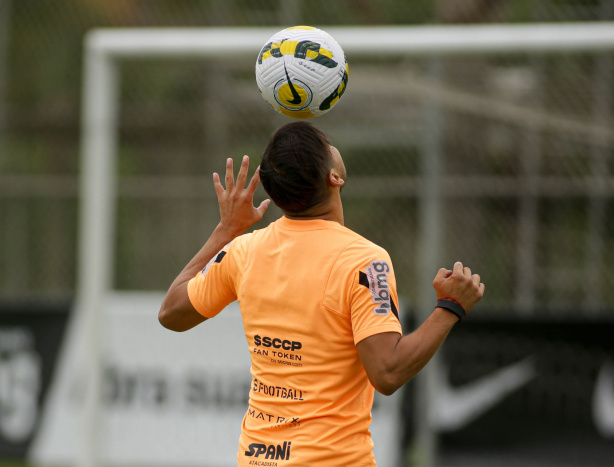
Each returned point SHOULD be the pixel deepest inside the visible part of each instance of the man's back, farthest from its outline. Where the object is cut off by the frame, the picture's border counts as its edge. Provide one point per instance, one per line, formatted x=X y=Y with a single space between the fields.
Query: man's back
x=318 y=304
x=308 y=291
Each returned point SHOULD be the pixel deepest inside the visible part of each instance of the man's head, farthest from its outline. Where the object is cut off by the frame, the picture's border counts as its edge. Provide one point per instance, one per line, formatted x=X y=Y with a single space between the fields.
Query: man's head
x=296 y=168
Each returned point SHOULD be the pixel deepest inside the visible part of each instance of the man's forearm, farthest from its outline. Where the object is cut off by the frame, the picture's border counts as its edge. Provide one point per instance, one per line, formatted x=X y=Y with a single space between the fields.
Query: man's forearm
x=413 y=351
x=391 y=360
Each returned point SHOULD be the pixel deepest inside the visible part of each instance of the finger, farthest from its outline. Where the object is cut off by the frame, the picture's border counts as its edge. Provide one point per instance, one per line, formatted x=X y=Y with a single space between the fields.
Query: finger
x=467 y=271
x=263 y=207
x=476 y=279
x=217 y=185
x=254 y=182
x=458 y=268
x=481 y=288
x=242 y=176
x=442 y=273
x=230 y=177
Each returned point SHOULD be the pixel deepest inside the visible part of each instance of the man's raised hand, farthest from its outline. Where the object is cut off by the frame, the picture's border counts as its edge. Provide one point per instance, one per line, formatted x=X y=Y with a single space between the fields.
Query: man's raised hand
x=459 y=284
x=236 y=201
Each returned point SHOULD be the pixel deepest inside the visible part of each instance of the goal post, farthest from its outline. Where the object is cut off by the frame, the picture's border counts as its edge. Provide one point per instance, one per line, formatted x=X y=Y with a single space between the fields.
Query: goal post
x=106 y=49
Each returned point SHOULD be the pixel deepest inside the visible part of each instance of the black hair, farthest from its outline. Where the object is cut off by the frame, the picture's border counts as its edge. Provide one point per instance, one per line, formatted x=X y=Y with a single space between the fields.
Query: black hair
x=295 y=165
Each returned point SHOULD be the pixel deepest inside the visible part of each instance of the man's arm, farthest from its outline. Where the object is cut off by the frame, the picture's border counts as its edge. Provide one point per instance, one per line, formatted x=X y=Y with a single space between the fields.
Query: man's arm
x=237 y=214
x=391 y=360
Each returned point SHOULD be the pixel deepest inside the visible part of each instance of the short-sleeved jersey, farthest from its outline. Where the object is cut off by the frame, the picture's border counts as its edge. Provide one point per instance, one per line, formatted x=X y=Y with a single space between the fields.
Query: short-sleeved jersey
x=308 y=291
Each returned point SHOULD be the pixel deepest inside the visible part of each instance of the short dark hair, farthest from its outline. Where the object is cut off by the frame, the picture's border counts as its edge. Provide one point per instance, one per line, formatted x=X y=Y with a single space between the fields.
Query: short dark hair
x=295 y=165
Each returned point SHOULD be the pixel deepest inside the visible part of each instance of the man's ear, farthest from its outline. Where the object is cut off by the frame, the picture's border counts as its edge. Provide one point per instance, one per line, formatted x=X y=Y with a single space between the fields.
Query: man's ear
x=335 y=178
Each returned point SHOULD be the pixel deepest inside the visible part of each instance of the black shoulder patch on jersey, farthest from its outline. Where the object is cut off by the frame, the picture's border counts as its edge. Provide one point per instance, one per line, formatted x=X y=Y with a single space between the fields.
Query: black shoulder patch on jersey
x=220 y=256
x=394 y=309
x=363 y=279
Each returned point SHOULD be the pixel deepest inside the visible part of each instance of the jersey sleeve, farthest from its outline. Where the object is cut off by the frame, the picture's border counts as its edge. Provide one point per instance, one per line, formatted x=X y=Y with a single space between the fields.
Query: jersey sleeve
x=369 y=294
x=214 y=288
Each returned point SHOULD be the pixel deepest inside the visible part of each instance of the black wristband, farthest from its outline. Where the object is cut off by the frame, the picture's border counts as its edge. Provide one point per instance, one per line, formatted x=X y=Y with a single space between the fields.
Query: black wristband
x=453 y=307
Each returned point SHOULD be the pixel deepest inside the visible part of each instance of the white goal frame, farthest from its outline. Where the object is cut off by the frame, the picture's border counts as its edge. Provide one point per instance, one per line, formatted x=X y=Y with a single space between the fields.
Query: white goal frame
x=105 y=49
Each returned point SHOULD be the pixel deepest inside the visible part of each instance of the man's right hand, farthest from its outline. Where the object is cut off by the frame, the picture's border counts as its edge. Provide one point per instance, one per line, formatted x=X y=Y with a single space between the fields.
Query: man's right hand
x=459 y=284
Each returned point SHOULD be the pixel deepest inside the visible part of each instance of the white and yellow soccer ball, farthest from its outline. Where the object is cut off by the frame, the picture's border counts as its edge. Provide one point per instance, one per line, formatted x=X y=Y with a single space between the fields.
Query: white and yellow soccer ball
x=302 y=72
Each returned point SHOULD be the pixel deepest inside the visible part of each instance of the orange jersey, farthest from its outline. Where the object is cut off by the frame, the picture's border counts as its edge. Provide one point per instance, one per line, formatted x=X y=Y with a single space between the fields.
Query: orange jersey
x=309 y=291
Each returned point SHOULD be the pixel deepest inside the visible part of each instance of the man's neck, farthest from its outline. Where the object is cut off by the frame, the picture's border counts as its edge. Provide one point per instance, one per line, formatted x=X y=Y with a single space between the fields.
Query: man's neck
x=298 y=217
x=330 y=212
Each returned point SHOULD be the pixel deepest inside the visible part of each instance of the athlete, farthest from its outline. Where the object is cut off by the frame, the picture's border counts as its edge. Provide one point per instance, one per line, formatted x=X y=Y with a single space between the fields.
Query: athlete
x=319 y=307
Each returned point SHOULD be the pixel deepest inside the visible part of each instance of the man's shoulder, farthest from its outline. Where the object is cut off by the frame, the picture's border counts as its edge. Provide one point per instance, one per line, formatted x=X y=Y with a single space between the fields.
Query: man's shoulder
x=338 y=237
x=359 y=239
x=359 y=247
x=239 y=245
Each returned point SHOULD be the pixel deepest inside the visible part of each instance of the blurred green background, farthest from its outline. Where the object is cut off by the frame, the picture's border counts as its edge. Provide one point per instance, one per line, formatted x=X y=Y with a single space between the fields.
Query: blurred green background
x=527 y=137
x=526 y=142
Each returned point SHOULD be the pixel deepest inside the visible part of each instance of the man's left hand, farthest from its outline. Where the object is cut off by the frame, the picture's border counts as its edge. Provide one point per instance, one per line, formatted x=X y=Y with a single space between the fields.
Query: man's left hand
x=236 y=201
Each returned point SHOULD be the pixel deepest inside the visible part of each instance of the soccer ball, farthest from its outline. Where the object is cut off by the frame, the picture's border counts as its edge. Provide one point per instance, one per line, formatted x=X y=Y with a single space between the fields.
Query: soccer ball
x=302 y=72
